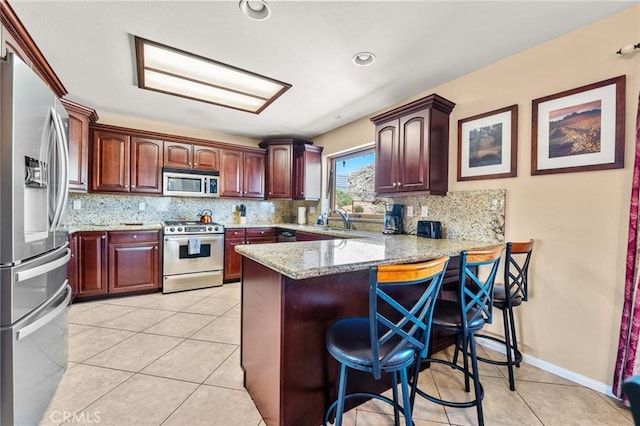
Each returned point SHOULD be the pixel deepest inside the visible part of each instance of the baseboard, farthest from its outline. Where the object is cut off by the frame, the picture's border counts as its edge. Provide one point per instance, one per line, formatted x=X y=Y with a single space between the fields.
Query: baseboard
x=554 y=369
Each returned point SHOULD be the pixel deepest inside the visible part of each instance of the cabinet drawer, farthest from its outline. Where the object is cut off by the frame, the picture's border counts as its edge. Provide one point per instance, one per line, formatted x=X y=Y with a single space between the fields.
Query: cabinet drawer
x=261 y=232
x=234 y=233
x=261 y=240
x=117 y=237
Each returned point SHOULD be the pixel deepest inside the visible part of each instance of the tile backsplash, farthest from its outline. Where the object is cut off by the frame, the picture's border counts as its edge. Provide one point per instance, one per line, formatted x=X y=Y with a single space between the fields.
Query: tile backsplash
x=477 y=215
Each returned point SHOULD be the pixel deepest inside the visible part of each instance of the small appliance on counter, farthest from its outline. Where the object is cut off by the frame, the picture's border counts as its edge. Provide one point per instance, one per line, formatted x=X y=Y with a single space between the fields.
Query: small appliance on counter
x=302 y=215
x=205 y=216
x=429 y=229
x=393 y=214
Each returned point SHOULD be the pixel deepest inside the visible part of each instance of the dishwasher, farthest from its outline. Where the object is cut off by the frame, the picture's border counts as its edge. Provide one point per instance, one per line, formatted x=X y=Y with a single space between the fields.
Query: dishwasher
x=286 y=236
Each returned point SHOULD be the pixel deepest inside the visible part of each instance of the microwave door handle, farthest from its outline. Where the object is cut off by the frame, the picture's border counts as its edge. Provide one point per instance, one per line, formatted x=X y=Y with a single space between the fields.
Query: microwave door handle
x=63 y=176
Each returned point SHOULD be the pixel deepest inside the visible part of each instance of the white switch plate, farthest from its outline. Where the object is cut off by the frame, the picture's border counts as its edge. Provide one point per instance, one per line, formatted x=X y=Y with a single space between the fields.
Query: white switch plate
x=273 y=208
x=77 y=204
x=409 y=211
x=312 y=209
x=142 y=206
x=424 y=211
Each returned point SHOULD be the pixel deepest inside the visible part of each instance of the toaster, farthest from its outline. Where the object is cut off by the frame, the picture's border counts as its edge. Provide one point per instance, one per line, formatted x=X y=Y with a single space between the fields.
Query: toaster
x=429 y=229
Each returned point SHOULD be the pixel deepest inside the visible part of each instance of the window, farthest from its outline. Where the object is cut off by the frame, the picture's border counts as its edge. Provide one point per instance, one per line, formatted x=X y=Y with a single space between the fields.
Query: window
x=352 y=183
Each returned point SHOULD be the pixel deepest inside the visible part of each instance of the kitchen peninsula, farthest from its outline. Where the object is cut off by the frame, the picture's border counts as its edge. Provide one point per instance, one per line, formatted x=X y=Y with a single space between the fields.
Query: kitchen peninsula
x=292 y=293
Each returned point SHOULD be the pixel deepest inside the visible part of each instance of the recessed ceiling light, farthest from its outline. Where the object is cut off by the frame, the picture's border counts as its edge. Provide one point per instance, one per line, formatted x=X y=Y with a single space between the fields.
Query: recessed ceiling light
x=364 y=59
x=176 y=72
x=257 y=10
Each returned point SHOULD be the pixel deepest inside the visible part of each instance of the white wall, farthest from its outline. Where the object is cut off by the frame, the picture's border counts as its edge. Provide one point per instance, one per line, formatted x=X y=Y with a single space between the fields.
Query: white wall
x=579 y=220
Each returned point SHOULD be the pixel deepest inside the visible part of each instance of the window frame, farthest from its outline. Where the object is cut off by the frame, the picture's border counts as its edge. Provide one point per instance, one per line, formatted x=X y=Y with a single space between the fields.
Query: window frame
x=331 y=161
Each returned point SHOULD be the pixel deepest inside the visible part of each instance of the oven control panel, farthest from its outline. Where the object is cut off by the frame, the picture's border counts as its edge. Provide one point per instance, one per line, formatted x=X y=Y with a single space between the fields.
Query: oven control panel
x=178 y=228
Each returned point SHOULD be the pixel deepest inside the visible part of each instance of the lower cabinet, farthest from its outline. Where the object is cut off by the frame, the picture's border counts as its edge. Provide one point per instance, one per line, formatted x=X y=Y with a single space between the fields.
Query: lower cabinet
x=115 y=262
x=134 y=261
x=236 y=236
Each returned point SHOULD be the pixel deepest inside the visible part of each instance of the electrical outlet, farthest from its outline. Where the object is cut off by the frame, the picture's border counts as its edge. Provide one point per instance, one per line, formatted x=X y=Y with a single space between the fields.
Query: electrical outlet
x=409 y=211
x=142 y=206
x=312 y=209
x=77 y=204
x=273 y=208
x=424 y=212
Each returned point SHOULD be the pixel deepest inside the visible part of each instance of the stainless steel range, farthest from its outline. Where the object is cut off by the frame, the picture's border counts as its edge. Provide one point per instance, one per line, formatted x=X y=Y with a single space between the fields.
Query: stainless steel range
x=193 y=255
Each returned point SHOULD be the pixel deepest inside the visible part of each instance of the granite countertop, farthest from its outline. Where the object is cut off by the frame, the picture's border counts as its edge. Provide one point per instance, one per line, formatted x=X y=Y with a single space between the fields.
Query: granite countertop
x=310 y=259
x=115 y=227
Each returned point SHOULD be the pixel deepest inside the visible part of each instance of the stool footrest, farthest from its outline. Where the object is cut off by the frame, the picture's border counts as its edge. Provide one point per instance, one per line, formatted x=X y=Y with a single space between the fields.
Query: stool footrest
x=517 y=355
x=447 y=403
x=362 y=395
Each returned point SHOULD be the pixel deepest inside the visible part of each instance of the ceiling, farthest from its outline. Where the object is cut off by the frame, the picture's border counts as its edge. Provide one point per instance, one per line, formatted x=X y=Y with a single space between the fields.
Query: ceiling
x=309 y=44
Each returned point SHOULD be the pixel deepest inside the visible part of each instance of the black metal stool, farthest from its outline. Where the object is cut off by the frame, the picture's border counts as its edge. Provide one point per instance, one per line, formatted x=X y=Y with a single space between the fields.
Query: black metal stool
x=465 y=317
x=506 y=296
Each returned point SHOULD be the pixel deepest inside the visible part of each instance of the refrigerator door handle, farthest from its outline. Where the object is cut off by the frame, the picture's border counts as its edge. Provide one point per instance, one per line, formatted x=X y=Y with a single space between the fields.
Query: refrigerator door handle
x=43 y=269
x=61 y=145
x=26 y=331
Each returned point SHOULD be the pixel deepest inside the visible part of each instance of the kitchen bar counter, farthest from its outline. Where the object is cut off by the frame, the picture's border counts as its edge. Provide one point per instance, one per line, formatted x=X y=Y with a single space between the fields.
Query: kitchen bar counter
x=317 y=258
x=293 y=292
x=115 y=227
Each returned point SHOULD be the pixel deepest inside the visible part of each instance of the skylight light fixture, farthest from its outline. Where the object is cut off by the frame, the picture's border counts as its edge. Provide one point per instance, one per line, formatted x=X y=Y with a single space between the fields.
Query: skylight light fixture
x=176 y=72
x=258 y=10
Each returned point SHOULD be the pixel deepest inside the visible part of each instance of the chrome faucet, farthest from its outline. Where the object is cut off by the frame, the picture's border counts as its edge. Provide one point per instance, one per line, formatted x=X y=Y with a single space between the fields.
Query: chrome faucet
x=346 y=222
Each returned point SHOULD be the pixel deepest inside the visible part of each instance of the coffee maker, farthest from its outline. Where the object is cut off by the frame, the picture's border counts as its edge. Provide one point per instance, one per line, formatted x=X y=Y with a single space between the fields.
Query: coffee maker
x=393 y=214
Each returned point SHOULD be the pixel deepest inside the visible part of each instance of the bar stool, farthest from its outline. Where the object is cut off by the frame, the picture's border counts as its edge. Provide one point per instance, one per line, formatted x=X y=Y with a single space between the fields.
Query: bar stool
x=465 y=317
x=513 y=292
x=394 y=334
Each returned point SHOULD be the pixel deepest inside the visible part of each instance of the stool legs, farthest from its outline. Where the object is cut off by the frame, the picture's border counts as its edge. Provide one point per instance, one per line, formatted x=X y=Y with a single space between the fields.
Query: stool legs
x=342 y=386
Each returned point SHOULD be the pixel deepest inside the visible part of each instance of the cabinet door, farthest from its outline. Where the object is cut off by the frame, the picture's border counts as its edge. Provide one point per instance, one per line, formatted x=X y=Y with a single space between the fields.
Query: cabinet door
x=92 y=261
x=146 y=165
x=134 y=261
x=110 y=162
x=254 y=175
x=232 y=260
x=307 y=173
x=178 y=155
x=231 y=177
x=78 y=151
x=279 y=171
x=414 y=152
x=387 y=157
x=206 y=158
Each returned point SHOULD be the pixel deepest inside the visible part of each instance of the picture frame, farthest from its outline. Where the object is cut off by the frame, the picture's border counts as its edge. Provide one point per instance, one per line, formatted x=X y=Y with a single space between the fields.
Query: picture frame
x=578 y=130
x=488 y=145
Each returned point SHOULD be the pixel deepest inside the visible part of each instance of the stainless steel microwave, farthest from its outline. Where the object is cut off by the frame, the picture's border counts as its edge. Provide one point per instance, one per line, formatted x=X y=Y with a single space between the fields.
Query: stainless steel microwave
x=190 y=183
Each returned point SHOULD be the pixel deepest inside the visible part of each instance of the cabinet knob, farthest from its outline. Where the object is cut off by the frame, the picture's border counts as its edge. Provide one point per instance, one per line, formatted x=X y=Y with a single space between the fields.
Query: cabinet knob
x=135 y=236
x=270 y=192
x=195 y=164
x=399 y=183
x=393 y=184
x=103 y=237
x=301 y=192
x=126 y=186
x=262 y=232
x=133 y=186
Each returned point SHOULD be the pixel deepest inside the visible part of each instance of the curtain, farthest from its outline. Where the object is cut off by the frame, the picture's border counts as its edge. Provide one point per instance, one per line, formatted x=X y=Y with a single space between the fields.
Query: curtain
x=628 y=360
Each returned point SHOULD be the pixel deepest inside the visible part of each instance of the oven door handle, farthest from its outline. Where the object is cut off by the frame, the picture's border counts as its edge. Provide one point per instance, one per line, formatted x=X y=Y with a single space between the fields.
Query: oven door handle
x=185 y=240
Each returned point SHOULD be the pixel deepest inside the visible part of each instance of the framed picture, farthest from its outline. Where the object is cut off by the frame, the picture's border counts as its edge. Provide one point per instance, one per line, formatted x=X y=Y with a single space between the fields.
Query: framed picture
x=580 y=129
x=487 y=145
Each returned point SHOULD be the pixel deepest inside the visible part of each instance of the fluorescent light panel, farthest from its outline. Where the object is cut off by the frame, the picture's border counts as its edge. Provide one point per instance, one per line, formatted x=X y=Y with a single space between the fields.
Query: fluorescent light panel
x=172 y=71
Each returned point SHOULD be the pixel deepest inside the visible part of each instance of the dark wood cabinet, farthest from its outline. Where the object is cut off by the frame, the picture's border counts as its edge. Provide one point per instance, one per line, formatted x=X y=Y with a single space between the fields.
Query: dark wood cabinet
x=293 y=169
x=232 y=260
x=191 y=156
x=80 y=118
x=134 y=261
x=122 y=163
x=307 y=172
x=111 y=162
x=146 y=165
x=92 y=263
x=412 y=147
x=236 y=236
x=309 y=236
x=242 y=174
x=279 y=167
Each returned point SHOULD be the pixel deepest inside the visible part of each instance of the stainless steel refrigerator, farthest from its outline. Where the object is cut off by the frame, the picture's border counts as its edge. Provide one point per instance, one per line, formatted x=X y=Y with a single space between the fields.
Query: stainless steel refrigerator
x=34 y=290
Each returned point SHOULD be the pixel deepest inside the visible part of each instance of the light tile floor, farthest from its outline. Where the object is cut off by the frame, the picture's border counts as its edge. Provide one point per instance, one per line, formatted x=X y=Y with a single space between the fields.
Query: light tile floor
x=173 y=359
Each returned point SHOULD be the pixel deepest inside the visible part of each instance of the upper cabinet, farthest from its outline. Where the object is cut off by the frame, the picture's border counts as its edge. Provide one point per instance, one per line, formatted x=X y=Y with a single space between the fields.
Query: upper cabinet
x=242 y=173
x=293 y=169
x=124 y=163
x=191 y=156
x=80 y=118
x=412 y=147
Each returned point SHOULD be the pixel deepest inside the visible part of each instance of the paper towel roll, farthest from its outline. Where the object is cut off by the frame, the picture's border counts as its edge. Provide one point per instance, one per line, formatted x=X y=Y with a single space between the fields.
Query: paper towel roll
x=302 y=215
